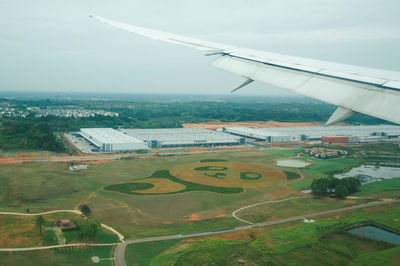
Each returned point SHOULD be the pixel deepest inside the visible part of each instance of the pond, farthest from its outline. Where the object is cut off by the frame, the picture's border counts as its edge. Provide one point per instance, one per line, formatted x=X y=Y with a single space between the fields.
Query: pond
x=376 y=233
x=370 y=173
x=292 y=163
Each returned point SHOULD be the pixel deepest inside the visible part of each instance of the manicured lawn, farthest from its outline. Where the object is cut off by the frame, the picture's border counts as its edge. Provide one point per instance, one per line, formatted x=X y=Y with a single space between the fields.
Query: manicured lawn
x=291 y=175
x=389 y=185
x=126 y=188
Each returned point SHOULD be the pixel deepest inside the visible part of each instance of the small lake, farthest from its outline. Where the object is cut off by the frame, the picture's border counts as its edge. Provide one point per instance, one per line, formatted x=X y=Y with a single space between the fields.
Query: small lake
x=292 y=163
x=370 y=173
x=376 y=233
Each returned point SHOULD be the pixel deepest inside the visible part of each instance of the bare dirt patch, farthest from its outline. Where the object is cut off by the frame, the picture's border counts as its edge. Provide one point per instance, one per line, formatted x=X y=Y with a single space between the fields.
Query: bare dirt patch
x=193 y=217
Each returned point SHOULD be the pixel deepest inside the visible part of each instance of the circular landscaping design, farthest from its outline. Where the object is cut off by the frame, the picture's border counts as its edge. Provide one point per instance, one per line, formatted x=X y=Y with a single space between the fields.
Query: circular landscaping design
x=229 y=174
x=250 y=175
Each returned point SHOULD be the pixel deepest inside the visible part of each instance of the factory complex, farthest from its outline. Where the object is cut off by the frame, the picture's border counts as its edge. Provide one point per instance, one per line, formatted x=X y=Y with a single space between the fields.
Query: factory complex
x=183 y=137
x=331 y=134
x=111 y=140
x=108 y=139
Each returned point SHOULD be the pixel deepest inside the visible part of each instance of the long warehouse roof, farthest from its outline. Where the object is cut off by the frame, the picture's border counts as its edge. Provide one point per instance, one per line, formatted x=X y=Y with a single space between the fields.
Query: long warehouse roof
x=316 y=130
x=109 y=135
x=178 y=134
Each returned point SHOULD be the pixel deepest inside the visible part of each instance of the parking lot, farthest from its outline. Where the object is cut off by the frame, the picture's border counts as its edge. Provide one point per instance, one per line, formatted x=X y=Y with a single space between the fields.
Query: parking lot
x=81 y=143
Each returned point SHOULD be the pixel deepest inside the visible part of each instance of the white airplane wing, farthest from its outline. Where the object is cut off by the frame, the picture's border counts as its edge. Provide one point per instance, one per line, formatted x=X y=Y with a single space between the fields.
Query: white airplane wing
x=353 y=89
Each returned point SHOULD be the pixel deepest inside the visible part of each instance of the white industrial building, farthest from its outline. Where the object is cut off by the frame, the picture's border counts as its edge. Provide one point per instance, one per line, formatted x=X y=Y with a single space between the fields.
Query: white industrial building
x=296 y=134
x=108 y=139
x=183 y=137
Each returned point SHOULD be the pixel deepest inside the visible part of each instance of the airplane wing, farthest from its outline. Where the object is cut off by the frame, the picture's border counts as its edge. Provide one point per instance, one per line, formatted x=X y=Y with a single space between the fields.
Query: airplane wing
x=353 y=89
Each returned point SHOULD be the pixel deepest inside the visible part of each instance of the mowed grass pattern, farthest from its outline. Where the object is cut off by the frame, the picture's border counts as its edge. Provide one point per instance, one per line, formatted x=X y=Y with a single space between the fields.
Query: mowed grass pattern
x=165 y=174
x=195 y=173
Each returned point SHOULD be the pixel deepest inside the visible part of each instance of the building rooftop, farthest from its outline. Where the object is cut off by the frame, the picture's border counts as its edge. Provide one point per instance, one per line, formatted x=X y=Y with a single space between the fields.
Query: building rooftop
x=109 y=135
x=179 y=134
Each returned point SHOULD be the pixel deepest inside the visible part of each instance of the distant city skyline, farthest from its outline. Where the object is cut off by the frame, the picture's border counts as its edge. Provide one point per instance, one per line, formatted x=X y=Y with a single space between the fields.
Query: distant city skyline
x=54 y=46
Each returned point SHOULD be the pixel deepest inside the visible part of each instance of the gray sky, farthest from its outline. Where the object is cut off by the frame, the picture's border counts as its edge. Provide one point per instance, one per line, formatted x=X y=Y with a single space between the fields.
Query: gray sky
x=53 y=45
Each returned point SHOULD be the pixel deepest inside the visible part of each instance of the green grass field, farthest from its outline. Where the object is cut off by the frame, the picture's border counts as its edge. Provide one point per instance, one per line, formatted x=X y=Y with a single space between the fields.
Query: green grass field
x=391 y=187
x=142 y=253
x=70 y=256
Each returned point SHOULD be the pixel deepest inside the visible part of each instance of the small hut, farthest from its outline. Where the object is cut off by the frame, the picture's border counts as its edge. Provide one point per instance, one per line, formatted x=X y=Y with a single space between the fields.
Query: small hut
x=65 y=224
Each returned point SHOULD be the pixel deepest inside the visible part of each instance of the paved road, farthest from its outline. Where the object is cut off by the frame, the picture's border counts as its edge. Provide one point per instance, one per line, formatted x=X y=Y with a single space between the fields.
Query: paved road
x=119 y=252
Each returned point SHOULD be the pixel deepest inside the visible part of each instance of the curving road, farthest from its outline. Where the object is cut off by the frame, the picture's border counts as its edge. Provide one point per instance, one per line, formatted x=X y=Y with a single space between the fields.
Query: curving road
x=119 y=251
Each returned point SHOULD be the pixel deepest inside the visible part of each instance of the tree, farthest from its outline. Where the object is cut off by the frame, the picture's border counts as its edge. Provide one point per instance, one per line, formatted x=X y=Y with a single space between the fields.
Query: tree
x=319 y=187
x=40 y=222
x=333 y=182
x=341 y=191
x=352 y=184
x=85 y=210
x=90 y=231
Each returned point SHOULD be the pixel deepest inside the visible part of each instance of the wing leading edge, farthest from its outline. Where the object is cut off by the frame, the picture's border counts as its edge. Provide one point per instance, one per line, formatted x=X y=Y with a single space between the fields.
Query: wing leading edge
x=353 y=89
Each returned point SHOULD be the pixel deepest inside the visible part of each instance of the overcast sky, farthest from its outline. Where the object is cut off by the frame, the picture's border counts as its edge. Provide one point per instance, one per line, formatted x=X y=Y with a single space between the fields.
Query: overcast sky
x=53 y=45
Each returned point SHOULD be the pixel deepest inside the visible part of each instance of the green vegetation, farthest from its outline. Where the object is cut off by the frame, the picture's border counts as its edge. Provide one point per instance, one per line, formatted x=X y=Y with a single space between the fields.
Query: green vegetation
x=389 y=185
x=85 y=210
x=283 y=152
x=211 y=168
x=141 y=253
x=27 y=135
x=129 y=188
x=250 y=175
x=16 y=227
x=291 y=175
x=341 y=187
x=216 y=175
x=194 y=255
x=212 y=160
x=68 y=256
x=297 y=243
x=326 y=168
x=126 y=187
x=383 y=257
x=39 y=223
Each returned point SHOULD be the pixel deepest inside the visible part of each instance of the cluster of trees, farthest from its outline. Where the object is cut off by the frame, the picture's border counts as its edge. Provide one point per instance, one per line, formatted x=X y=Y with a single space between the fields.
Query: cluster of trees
x=28 y=135
x=339 y=187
